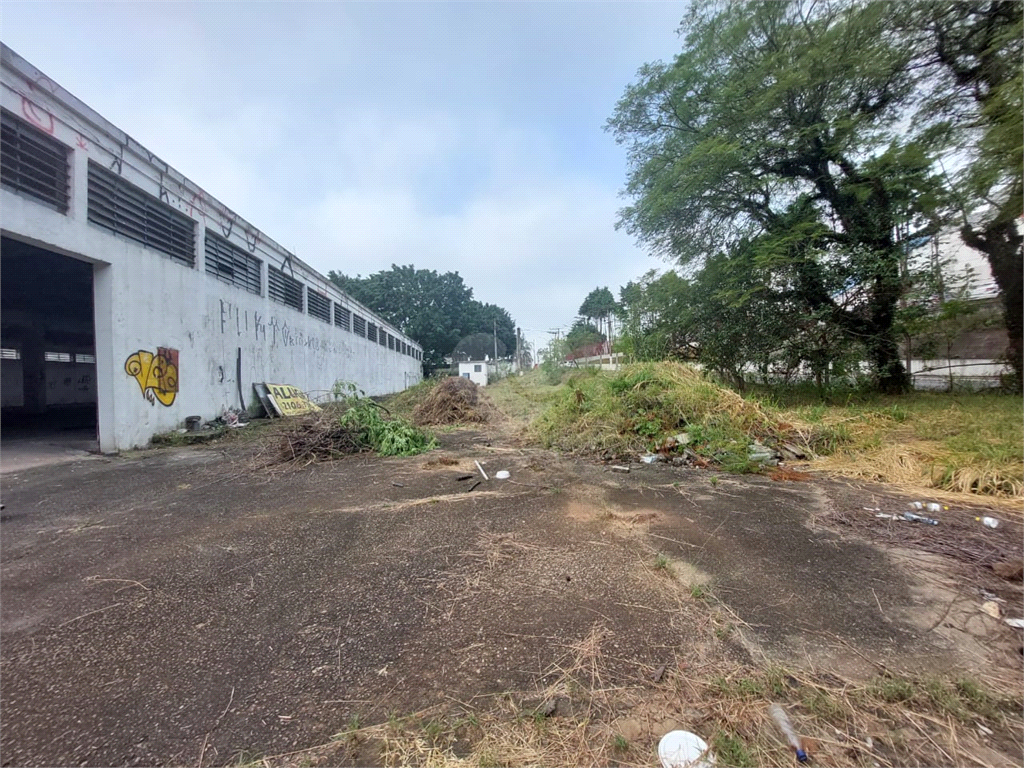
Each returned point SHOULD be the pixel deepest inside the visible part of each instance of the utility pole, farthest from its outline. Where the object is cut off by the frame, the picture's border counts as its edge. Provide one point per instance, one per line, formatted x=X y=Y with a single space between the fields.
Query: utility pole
x=495 y=341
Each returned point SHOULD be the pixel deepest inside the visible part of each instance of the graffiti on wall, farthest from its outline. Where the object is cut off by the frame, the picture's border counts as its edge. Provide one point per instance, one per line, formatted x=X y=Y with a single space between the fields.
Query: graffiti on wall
x=157 y=374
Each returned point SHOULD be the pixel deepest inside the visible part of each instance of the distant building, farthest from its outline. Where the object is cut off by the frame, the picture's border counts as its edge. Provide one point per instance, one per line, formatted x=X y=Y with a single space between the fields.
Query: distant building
x=476 y=371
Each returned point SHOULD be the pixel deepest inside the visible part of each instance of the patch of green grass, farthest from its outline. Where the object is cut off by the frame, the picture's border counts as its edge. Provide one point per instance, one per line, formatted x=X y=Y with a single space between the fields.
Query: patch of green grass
x=960 y=442
x=632 y=410
x=177 y=439
x=699 y=591
x=619 y=743
x=820 y=703
x=894 y=689
x=661 y=563
x=433 y=730
x=731 y=750
x=245 y=759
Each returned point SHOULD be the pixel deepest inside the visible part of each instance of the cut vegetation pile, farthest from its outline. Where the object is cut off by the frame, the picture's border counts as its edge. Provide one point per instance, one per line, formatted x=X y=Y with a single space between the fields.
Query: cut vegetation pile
x=641 y=406
x=355 y=425
x=454 y=401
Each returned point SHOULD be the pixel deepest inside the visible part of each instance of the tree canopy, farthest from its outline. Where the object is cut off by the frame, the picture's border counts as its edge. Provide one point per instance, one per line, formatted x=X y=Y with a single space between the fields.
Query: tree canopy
x=974 y=117
x=436 y=310
x=814 y=142
x=582 y=334
x=776 y=129
x=599 y=304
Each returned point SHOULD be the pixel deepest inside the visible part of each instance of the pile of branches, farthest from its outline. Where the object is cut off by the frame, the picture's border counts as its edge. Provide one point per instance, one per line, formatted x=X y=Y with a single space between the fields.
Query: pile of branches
x=320 y=436
x=456 y=400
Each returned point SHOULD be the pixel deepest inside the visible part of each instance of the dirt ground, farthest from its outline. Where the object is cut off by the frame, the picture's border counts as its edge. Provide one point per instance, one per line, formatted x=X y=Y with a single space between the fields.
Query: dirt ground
x=181 y=607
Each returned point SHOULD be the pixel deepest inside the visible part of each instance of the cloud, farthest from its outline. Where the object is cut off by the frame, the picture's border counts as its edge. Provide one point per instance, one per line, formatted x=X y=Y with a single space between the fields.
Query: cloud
x=452 y=136
x=532 y=238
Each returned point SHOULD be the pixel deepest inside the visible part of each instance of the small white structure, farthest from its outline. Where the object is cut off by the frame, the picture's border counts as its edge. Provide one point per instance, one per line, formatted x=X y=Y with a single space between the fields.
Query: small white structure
x=476 y=371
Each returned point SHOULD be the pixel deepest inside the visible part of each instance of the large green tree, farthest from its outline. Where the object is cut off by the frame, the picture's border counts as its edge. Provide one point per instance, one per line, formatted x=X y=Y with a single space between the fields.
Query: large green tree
x=436 y=310
x=582 y=334
x=973 y=53
x=777 y=125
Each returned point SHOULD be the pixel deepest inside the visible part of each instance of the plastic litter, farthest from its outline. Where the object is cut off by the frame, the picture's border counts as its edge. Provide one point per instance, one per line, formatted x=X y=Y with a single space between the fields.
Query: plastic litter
x=682 y=749
x=1018 y=623
x=782 y=720
x=991 y=607
x=931 y=506
x=619 y=468
x=650 y=458
x=919 y=518
x=481 y=470
x=988 y=522
x=502 y=474
x=889 y=517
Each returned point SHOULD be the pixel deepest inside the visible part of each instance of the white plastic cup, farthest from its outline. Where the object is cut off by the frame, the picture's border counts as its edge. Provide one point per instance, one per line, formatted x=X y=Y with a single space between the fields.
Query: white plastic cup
x=502 y=474
x=682 y=749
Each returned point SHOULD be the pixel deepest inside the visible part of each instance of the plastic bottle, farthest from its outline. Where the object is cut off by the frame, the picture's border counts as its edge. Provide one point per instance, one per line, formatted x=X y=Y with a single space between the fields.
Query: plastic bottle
x=919 y=518
x=988 y=522
x=782 y=720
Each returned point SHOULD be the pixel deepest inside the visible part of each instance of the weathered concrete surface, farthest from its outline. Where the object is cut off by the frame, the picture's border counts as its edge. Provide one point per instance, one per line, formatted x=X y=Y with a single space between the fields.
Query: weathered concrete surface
x=157 y=604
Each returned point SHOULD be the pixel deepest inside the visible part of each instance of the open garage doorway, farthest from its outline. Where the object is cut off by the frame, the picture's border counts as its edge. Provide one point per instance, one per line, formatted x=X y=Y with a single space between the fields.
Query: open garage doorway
x=48 y=383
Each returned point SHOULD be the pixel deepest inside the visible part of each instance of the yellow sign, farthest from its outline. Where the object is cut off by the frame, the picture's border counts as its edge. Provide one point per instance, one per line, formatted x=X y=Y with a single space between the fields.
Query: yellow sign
x=289 y=400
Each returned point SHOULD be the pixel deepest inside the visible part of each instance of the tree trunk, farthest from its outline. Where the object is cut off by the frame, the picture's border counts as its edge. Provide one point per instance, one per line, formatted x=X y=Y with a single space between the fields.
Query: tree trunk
x=890 y=375
x=1001 y=244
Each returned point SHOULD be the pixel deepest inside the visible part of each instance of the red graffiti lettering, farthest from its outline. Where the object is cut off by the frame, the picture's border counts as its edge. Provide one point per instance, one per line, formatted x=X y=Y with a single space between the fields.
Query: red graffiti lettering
x=82 y=143
x=34 y=114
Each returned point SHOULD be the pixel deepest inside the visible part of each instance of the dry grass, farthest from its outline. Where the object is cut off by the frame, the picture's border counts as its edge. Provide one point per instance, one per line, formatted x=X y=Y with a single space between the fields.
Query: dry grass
x=454 y=401
x=940 y=445
x=886 y=721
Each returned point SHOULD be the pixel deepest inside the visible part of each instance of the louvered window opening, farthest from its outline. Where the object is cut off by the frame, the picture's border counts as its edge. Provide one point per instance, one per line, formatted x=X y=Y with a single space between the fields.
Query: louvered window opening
x=319 y=306
x=391 y=341
x=383 y=340
x=33 y=163
x=371 y=331
x=358 y=325
x=342 y=317
x=284 y=289
x=231 y=264
x=123 y=208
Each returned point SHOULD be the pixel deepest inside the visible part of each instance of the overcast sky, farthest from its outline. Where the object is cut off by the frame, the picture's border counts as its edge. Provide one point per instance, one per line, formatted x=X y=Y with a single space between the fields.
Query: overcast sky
x=451 y=136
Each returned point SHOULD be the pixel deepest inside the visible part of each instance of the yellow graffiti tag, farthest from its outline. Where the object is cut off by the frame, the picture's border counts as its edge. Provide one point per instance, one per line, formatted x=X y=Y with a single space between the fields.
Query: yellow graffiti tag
x=157 y=374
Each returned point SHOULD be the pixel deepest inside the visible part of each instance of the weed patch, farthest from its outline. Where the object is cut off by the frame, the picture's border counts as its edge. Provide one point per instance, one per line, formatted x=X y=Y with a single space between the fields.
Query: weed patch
x=637 y=408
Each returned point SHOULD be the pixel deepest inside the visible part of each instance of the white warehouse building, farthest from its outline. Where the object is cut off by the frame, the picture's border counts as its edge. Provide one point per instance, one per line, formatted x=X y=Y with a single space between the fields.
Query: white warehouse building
x=132 y=299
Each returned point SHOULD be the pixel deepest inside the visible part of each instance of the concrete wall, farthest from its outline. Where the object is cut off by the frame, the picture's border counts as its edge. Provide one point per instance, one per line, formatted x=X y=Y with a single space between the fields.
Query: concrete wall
x=146 y=303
